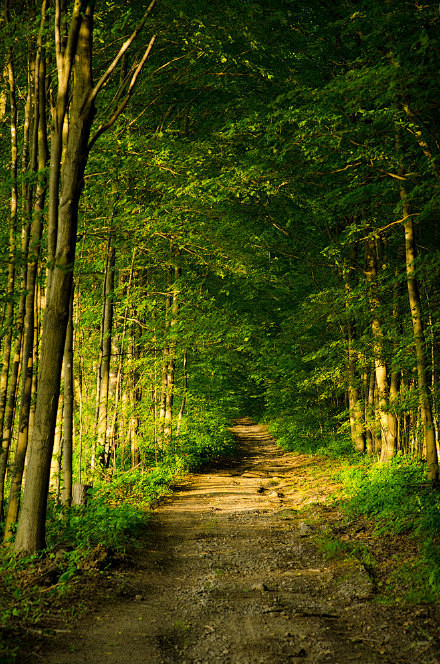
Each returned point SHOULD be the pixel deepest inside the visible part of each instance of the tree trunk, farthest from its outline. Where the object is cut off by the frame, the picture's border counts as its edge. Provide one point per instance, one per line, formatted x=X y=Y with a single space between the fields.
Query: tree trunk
x=184 y=394
x=7 y=342
x=169 y=362
x=419 y=342
x=80 y=493
x=68 y=411
x=134 y=398
x=354 y=403
x=25 y=404
x=8 y=424
x=38 y=315
x=387 y=418
x=31 y=525
x=118 y=380
x=355 y=406
x=165 y=373
x=395 y=374
x=104 y=370
x=171 y=365
x=370 y=435
x=29 y=320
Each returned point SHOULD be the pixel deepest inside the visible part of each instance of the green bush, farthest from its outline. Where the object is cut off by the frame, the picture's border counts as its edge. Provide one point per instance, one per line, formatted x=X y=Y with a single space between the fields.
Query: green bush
x=396 y=493
x=204 y=442
x=295 y=435
x=99 y=522
x=399 y=498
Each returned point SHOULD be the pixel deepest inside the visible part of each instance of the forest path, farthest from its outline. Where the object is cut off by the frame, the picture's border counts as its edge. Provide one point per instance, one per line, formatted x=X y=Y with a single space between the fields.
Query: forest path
x=231 y=575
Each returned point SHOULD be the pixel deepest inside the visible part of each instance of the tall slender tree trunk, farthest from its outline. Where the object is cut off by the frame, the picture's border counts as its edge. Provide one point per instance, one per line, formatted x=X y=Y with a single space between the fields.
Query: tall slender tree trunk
x=133 y=398
x=184 y=393
x=106 y=352
x=370 y=434
x=419 y=341
x=355 y=406
x=29 y=318
x=171 y=364
x=395 y=375
x=31 y=525
x=38 y=315
x=57 y=450
x=13 y=380
x=122 y=354
x=68 y=411
x=164 y=373
x=354 y=401
x=25 y=404
x=387 y=418
x=7 y=341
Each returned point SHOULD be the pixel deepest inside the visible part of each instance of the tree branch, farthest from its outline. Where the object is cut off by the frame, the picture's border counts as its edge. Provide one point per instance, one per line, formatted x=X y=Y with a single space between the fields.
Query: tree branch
x=103 y=127
x=58 y=38
x=104 y=78
x=393 y=223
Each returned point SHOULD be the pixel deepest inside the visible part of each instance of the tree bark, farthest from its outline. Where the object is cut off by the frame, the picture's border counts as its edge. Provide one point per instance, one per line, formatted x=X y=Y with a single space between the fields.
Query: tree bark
x=106 y=352
x=7 y=342
x=29 y=317
x=68 y=411
x=387 y=418
x=134 y=398
x=355 y=406
x=419 y=341
x=184 y=394
x=370 y=434
x=31 y=525
x=171 y=364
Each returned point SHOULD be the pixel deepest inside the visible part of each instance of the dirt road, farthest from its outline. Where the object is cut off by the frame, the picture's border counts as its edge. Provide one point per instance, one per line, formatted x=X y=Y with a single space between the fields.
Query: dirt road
x=231 y=575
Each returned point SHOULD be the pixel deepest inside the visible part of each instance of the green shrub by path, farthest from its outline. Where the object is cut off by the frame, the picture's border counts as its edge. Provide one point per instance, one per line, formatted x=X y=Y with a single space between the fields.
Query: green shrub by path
x=99 y=522
x=139 y=487
x=295 y=435
x=396 y=493
x=400 y=500
x=204 y=443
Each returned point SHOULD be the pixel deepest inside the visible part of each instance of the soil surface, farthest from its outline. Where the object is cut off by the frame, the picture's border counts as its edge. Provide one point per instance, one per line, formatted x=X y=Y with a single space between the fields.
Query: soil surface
x=232 y=574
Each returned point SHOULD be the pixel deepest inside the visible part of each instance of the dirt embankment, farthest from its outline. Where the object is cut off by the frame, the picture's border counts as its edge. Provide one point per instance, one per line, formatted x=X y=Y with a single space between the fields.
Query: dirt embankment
x=231 y=575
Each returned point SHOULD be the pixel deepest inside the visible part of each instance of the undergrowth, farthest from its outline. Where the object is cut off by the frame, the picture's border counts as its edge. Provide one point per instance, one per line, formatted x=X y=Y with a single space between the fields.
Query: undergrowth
x=293 y=435
x=401 y=501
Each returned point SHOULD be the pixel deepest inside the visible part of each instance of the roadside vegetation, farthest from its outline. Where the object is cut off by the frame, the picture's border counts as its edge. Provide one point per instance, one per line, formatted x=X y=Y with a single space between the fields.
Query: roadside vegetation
x=386 y=515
